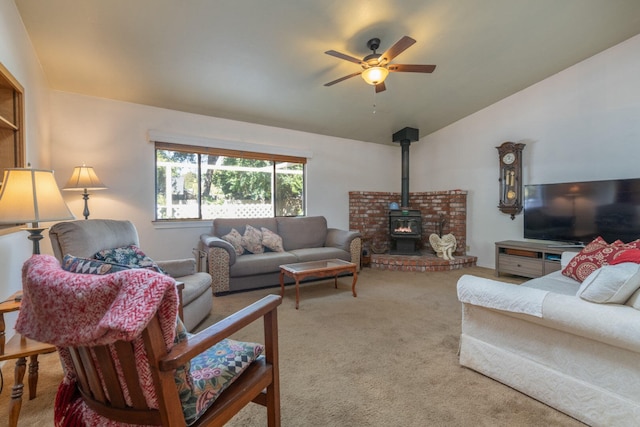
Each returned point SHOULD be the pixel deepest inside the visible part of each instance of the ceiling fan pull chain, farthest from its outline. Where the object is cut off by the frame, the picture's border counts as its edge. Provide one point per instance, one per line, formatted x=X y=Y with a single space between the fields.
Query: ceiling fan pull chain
x=374 y=100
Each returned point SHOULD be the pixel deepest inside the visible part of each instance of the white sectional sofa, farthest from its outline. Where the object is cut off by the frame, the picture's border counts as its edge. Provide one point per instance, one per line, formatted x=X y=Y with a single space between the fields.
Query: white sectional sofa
x=580 y=357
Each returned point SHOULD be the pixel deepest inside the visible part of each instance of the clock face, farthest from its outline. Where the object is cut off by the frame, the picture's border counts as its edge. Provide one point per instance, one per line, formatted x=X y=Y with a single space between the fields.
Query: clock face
x=508 y=158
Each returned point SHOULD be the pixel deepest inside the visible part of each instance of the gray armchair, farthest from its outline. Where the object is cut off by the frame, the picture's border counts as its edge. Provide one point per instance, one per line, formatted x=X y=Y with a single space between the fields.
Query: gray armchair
x=86 y=237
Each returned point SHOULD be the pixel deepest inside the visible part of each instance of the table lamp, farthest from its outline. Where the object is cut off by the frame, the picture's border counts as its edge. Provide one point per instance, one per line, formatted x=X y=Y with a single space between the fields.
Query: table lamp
x=84 y=178
x=31 y=195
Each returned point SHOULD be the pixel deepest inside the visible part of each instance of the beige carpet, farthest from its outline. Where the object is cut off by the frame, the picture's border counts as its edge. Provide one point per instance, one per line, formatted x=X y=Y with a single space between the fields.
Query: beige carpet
x=385 y=358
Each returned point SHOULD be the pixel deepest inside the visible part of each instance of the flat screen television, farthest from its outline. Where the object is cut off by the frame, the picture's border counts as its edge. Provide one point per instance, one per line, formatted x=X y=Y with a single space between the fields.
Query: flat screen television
x=578 y=212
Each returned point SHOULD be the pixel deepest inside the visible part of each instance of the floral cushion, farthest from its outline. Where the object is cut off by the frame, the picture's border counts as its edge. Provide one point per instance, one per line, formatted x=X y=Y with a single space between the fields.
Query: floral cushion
x=181 y=375
x=128 y=255
x=90 y=266
x=596 y=254
x=271 y=240
x=235 y=239
x=252 y=240
x=210 y=373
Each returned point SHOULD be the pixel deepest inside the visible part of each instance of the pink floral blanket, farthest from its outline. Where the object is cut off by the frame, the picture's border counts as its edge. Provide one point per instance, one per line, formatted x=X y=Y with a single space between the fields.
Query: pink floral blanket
x=71 y=309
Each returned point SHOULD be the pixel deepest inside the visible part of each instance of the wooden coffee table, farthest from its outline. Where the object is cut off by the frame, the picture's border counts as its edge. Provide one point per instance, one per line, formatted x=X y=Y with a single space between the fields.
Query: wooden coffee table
x=323 y=268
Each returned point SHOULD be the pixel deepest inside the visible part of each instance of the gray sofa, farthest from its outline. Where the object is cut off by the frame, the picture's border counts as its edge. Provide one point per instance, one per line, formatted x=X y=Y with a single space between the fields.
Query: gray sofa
x=303 y=238
x=86 y=237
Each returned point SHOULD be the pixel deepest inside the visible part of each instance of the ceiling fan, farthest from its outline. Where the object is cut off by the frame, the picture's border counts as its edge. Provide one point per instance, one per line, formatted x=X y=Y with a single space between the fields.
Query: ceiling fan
x=376 y=67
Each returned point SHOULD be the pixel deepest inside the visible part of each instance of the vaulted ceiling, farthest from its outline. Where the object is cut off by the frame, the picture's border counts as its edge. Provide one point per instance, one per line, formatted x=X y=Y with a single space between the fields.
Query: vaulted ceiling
x=263 y=61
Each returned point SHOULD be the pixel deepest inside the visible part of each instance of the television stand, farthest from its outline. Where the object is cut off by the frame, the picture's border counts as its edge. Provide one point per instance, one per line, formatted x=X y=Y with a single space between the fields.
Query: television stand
x=529 y=259
x=559 y=245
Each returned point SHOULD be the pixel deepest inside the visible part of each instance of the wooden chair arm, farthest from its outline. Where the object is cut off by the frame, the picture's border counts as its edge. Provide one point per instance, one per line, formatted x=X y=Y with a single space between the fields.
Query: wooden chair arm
x=200 y=342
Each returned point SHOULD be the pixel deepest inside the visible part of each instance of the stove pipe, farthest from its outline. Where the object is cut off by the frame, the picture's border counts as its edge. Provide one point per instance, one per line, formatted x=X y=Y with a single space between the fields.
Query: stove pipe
x=405 y=137
x=404 y=194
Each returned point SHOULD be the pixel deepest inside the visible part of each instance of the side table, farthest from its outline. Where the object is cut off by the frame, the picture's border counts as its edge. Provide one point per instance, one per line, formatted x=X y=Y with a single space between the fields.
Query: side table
x=19 y=347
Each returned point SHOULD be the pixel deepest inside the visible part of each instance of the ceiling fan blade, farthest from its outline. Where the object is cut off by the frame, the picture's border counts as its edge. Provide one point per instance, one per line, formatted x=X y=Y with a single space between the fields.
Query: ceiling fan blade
x=395 y=50
x=343 y=56
x=380 y=87
x=411 y=68
x=343 y=78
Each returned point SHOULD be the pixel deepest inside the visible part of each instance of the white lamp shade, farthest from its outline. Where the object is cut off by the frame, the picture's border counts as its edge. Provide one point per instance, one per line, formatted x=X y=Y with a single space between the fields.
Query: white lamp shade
x=31 y=195
x=375 y=75
x=84 y=177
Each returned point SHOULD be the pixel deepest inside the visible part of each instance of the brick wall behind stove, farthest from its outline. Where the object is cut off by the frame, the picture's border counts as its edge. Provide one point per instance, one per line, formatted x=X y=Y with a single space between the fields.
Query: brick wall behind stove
x=369 y=214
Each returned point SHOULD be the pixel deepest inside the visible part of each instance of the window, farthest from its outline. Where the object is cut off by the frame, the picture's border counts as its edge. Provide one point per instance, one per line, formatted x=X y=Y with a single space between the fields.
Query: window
x=205 y=183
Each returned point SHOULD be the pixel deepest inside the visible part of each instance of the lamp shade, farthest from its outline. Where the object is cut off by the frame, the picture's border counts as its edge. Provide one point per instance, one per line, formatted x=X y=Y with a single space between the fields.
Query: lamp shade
x=375 y=75
x=31 y=195
x=84 y=178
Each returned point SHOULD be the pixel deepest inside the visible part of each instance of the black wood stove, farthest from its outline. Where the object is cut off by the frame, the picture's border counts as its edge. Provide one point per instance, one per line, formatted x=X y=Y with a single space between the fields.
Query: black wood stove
x=405 y=229
x=405 y=225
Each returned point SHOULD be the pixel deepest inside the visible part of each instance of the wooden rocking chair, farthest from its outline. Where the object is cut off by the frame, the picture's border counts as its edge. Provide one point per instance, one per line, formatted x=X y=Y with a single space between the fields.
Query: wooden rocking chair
x=101 y=390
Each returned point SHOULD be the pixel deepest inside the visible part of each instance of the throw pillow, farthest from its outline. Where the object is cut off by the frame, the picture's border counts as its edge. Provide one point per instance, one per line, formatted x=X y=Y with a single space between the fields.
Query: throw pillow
x=211 y=373
x=593 y=256
x=598 y=242
x=271 y=240
x=634 y=300
x=236 y=241
x=90 y=266
x=128 y=255
x=627 y=255
x=611 y=283
x=252 y=240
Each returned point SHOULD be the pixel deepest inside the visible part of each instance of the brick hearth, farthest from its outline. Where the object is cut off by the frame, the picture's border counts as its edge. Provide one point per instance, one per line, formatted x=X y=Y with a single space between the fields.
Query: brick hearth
x=369 y=214
x=421 y=263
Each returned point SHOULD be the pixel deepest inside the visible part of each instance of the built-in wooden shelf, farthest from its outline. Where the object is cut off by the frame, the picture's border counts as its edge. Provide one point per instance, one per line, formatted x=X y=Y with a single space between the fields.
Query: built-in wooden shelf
x=12 y=152
x=11 y=122
x=7 y=124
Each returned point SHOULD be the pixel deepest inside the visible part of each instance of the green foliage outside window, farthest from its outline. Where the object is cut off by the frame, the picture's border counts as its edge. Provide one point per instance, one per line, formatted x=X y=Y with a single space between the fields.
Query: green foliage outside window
x=243 y=184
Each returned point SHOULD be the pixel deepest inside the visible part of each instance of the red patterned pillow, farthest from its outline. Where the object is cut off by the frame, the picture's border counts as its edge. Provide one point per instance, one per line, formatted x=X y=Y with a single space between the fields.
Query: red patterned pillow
x=628 y=255
x=633 y=245
x=597 y=243
x=595 y=255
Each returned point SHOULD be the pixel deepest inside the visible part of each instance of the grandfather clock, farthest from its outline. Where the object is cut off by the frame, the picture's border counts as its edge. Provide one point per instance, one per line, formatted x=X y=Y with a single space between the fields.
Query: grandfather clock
x=510 y=155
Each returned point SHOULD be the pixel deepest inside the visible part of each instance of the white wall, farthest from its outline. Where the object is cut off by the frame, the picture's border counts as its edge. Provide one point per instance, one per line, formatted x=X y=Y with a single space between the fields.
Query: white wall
x=111 y=136
x=17 y=55
x=580 y=124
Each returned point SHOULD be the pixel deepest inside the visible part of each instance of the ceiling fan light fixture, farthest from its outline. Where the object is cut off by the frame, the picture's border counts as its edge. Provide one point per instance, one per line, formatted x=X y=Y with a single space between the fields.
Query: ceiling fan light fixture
x=375 y=75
